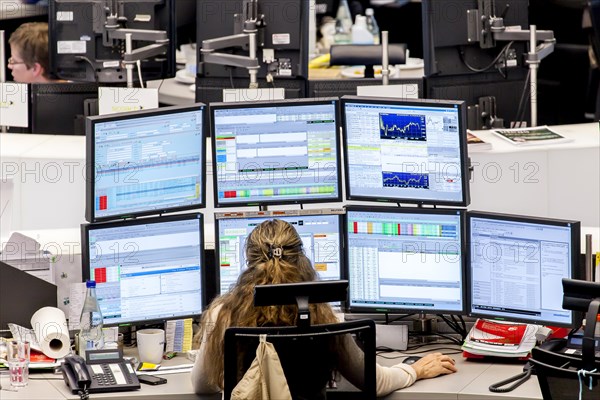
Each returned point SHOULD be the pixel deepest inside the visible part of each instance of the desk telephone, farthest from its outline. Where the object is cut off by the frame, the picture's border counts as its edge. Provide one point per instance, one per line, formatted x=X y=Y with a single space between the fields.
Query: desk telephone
x=101 y=371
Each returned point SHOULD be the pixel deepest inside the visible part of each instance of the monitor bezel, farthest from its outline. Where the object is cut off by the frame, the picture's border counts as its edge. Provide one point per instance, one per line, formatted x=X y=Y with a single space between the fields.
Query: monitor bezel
x=464 y=159
x=85 y=254
x=276 y=103
x=278 y=215
x=576 y=272
x=407 y=210
x=90 y=211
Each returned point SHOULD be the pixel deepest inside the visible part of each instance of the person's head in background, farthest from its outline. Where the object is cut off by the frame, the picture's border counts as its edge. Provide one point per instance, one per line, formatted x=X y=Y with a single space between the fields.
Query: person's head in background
x=29 y=60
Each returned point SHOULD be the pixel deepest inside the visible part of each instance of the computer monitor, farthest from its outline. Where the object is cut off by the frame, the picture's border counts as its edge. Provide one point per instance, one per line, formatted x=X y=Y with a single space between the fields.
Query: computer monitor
x=407 y=260
x=320 y=231
x=87 y=39
x=516 y=265
x=276 y=152
x=148 y=269
x=145 y=162
x=405 y=151
x=61 y=108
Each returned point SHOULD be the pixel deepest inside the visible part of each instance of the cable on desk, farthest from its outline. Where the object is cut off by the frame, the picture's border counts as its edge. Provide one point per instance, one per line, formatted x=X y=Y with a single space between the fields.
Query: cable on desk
x=457 y=326
x=518 y=380
x=447 y=337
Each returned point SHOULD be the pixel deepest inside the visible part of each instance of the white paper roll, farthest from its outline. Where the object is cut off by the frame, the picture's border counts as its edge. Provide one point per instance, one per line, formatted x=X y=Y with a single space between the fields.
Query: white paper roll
x=51 y=331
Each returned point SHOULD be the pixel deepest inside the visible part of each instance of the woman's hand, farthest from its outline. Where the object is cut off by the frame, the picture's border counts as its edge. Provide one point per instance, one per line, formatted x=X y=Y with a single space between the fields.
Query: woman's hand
x=434 y=364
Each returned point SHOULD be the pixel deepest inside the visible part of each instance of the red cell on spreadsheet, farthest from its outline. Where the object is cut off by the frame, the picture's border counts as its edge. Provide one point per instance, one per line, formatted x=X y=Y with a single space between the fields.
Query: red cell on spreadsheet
x=100 y=275
x=230 y=194
x=103 y=202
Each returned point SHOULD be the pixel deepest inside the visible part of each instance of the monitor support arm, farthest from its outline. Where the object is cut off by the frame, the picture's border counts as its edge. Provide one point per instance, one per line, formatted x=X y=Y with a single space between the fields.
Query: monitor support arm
x=131 y=56
x=247 y=38
x=111 y=29
x=486 y=28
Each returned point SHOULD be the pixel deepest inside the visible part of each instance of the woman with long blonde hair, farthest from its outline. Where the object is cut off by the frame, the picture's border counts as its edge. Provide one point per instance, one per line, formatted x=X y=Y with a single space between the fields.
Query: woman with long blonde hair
x=275 y=255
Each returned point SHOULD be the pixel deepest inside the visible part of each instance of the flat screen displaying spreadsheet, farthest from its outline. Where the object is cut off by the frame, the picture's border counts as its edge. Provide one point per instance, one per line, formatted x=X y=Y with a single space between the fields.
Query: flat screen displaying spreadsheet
x=149 y=269
x=146 y=162
x=516 y=265
x=276 y=152
x=405 y=151
x=320 y=234
x=405 y=260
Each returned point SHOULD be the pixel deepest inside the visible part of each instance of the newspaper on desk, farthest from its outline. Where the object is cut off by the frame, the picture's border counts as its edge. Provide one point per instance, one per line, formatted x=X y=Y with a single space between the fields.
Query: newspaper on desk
x=498 y=348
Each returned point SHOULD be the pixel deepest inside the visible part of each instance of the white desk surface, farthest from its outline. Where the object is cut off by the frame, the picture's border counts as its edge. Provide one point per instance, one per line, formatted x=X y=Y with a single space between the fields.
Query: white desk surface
x=557 y=181
x=582 y=135
x=470 y=382
x=15 y=144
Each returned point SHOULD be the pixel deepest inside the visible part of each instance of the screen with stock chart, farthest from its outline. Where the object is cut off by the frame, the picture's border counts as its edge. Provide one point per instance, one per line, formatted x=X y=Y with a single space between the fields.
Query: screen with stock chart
x=405 y=150
x=146 y=162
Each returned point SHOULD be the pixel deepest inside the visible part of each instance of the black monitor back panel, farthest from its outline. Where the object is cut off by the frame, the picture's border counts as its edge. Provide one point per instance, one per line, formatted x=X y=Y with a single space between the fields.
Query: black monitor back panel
x=17 y=300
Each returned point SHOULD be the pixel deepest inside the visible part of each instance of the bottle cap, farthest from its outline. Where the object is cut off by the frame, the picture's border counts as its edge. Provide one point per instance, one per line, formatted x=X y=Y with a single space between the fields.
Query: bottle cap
x=369 y=11
x=90 y=284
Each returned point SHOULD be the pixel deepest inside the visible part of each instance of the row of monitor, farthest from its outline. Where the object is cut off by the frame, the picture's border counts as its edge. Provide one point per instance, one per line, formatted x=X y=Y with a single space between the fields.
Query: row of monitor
x=277 y=152
x=407 y=260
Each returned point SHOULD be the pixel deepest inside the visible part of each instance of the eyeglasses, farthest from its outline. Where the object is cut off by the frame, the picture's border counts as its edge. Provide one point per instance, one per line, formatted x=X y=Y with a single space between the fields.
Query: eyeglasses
x=11 y=61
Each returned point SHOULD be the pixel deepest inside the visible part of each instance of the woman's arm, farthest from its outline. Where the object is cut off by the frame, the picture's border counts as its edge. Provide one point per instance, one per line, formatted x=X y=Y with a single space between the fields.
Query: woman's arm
x=351 y=366
x=202 y=365
x=389 y=379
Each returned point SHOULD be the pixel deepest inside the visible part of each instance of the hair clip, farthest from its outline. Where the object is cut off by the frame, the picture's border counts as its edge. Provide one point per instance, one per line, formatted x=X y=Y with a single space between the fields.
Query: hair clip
x=275 y=251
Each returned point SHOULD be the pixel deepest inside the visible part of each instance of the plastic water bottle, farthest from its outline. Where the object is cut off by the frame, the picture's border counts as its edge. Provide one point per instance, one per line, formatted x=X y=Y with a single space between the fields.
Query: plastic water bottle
x=372 y=25
x=343 y=24
x=360 y=33
x=91 y=336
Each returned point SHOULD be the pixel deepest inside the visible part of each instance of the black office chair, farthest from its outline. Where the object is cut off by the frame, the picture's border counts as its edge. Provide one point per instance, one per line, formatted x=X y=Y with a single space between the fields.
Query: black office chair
x=559 y=378
x=307 y=357
x=307 y=353
x=367 y=55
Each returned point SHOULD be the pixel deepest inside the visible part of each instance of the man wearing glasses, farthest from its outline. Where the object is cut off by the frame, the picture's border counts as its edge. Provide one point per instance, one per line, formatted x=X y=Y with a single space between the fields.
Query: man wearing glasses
x=29 y=53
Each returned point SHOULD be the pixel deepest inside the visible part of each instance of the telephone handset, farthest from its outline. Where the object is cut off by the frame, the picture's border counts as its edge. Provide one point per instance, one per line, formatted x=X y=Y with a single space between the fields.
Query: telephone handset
x=101 y=371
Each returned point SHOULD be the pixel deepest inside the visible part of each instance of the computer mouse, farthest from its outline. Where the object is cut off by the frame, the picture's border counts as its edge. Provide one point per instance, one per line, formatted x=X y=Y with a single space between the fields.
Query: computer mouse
x=411 y=360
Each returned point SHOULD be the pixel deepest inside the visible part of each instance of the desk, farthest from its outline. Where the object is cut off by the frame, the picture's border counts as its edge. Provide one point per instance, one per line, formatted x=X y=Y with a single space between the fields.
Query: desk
x=557 y=181
x=471 y=382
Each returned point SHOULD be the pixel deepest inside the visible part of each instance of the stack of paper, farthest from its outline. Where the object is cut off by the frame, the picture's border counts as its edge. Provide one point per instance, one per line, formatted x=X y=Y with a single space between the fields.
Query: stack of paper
x=179 y=335
x=500 y=339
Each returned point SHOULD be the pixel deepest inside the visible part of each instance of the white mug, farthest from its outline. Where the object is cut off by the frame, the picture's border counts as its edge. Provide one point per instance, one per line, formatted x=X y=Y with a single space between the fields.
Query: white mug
x=151 y=345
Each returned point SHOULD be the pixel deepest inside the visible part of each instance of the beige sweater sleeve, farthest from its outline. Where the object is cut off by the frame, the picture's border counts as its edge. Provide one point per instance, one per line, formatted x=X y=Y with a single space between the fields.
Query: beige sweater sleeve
x=202 y=365
x=388 y=379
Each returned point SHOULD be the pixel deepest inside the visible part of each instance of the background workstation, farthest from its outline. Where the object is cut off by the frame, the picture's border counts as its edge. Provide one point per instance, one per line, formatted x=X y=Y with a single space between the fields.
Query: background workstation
x=537 y=174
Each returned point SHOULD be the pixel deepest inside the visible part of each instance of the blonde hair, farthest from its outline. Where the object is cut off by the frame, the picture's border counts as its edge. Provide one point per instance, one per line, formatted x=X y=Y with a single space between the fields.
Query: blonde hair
x=31 y=39
x=264 y=267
